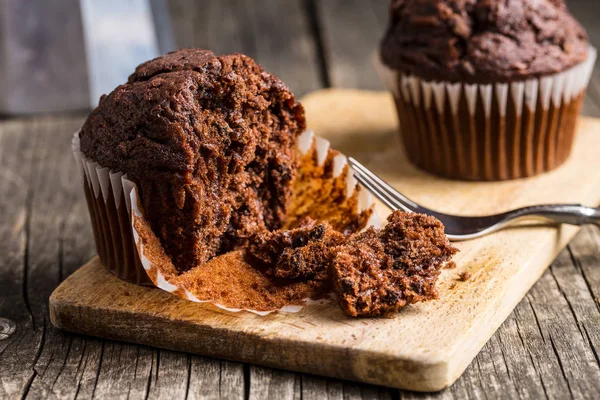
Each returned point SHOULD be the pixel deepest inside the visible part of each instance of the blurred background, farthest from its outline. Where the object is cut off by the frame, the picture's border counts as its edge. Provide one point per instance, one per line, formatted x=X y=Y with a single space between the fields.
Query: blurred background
x=61 y=55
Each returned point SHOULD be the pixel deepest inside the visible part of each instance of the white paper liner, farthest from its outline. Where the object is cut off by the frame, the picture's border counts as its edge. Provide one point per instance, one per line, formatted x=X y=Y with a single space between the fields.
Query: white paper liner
x=534 y=132
x=99 y=179
x=557 y=88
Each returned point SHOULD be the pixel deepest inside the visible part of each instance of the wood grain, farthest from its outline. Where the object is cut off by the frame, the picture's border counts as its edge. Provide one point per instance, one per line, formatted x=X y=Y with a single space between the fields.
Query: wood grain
x=42 y=57
x=588 y=14
x=428 y=345
x=351 y=31
x=275 y=33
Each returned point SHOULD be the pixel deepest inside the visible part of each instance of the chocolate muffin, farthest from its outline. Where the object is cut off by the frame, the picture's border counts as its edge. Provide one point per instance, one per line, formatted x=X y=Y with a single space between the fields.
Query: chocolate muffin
x=209 y=141
x=486 y=89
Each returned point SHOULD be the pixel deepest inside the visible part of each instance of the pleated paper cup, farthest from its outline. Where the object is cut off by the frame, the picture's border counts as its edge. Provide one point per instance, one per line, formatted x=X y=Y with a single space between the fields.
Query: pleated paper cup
x=108 y=200
x=489 y=132
x=131 y=255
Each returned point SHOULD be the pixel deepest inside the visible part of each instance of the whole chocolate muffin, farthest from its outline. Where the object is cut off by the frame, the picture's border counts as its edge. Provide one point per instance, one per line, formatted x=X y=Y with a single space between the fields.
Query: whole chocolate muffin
x=209 y=141
x=505 y=77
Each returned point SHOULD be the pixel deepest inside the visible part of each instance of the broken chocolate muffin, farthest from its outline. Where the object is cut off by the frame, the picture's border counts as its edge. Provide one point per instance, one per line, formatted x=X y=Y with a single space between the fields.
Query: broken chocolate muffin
x=209 y=141
x=377 y=272
x=372 y=273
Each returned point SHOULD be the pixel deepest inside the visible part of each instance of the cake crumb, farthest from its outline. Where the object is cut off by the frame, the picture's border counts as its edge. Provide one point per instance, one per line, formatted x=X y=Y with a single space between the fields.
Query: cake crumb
x=464 y=276
x=450 y=265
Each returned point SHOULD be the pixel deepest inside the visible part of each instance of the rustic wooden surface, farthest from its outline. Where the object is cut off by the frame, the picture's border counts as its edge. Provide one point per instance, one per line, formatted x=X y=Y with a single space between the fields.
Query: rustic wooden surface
x=548 y=347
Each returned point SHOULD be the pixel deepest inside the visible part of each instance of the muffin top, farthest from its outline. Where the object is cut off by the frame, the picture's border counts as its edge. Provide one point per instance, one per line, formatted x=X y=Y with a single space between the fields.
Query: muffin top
x=482 y=41
x=210 y=142
x=162 y=120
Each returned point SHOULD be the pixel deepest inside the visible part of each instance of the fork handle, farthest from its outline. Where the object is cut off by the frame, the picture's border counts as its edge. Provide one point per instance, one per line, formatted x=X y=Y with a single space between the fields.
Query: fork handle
x=572 y=214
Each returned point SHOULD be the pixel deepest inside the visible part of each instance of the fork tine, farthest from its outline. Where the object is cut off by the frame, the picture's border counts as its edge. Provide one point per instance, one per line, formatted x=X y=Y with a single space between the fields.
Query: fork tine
x=374 y=189
x=383 y=188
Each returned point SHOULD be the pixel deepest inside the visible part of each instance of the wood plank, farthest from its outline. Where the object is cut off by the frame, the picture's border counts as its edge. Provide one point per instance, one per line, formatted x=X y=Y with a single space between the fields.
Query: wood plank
x=432 y=342
x=267 y=383
x=351 y=31
x=42 y=60
x=215 y=379
x=51 y=197
x=17 y=165
x=560 y=331
x=275 y=33
x=588 y=14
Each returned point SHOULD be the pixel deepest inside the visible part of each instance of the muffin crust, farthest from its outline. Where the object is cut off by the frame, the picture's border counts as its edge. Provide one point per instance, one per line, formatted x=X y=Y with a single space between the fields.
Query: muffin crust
x=482 y=41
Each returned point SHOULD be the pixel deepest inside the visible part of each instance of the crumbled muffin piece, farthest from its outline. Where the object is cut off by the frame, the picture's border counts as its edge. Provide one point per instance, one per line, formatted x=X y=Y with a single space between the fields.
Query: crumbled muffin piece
x=303 y=253
x=450 y=265
x=377 y=272
x=464 y=276
x=373 y=273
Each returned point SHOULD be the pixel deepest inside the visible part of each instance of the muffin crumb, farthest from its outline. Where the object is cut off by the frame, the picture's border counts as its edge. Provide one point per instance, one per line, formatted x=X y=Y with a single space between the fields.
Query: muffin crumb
x=450 y=265
x=464 y=276
x=303 y=253
x=372 y=273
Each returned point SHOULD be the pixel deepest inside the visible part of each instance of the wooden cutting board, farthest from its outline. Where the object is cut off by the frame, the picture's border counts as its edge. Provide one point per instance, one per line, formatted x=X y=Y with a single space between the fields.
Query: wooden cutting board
x=427 y=346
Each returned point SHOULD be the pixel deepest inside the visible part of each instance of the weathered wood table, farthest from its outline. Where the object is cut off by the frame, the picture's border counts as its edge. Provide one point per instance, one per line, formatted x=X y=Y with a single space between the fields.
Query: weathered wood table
x=548 y=347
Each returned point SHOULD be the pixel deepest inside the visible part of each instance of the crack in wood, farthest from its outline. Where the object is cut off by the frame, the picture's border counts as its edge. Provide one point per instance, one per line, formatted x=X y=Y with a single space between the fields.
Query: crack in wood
x=591 y=345
x=531 y=358
x=28 y=384
x=582 y=271
x=99 y=368
x=562 y=369
x=149 y=379
x=40 y=348
x=64 y=363
x=246 y=381
x=566 y=298
x=189 y=375
x=27 y=231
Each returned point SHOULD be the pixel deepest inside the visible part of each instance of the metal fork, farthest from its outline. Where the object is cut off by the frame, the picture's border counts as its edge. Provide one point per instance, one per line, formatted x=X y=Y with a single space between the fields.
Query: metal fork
x=463 y=227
